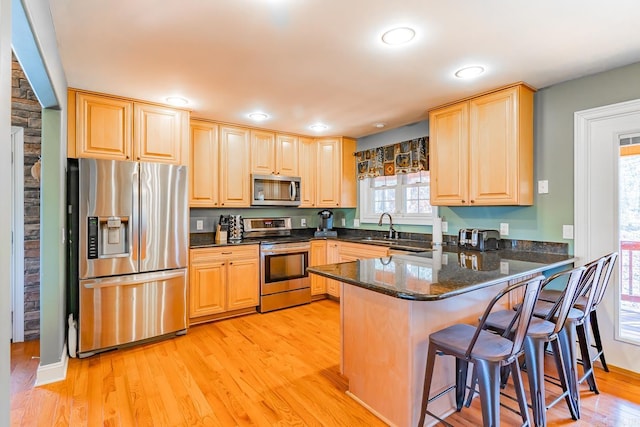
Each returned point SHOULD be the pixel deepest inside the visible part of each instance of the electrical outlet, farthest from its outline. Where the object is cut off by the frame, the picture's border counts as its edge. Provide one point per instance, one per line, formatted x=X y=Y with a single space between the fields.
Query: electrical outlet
x=543 y=187
x=199 y=225
x=356 y=223
x=344 y=222
x=504 y=267
x=303 y=222
x=567 y=231
x=445 y=226
x=504 y=228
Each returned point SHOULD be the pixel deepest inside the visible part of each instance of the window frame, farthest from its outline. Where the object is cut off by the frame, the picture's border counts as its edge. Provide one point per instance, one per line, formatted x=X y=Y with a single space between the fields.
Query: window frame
x=367 y=216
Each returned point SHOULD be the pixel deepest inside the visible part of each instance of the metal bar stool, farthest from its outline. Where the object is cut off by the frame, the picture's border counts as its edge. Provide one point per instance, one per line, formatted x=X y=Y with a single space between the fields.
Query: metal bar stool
x=489 y=352
x=588 y=302
x=549 y=330
x=575 y=320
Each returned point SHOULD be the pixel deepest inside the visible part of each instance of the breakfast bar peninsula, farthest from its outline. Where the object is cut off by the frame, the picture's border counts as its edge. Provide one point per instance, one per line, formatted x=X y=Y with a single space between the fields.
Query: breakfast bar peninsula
x=390 y=305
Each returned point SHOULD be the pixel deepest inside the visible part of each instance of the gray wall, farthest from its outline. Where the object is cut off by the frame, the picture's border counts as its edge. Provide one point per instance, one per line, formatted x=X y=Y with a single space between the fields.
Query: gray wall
x=35 y=46
x=553 y=153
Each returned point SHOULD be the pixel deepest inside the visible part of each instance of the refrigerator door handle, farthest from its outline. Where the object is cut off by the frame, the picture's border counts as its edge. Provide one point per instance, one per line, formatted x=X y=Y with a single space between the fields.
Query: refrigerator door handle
x=135 y=234
x=131 y=280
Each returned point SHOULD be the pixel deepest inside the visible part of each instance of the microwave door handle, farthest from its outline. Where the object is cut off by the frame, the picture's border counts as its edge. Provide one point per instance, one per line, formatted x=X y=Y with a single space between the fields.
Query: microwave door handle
x=292 y=190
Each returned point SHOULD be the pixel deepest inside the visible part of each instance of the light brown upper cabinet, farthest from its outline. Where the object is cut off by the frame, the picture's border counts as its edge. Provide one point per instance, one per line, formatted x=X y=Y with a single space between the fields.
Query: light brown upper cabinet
x=160 y=134
x=99 y=127
x=481 y=150
x=263 y=152
x=307 y=155
x=274 y=154
x=234 y=172
x=203 y=164
x=106 y=127
x=336 y=172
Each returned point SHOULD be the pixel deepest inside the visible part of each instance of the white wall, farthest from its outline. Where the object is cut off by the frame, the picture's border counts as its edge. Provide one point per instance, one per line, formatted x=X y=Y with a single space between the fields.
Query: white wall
x=5 y=213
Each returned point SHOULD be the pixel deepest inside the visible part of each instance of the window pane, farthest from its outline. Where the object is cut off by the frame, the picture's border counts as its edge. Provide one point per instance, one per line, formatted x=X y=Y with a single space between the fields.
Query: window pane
x=389 y=207
x=413 y=178
x=400 y=194
x=424 y=193
x=425 y=207
x=378 y=181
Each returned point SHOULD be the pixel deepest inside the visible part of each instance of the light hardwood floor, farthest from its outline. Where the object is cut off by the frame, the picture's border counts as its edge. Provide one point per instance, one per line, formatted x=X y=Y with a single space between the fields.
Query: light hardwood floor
x=279 y=368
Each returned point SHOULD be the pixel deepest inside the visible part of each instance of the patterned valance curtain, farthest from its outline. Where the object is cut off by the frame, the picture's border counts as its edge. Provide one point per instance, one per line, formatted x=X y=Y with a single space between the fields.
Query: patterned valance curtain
x=402 y=157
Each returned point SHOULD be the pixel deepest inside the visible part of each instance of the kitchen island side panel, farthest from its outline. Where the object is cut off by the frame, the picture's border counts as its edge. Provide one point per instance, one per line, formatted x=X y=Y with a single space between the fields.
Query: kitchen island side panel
x=385 y=346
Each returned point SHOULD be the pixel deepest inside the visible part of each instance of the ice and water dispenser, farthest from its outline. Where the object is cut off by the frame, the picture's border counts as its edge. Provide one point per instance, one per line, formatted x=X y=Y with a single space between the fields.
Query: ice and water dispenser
x=108 y=237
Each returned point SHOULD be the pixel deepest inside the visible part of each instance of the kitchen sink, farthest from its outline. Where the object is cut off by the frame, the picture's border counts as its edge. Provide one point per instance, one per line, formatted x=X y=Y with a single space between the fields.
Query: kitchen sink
x=385 y=241
x=407 y=244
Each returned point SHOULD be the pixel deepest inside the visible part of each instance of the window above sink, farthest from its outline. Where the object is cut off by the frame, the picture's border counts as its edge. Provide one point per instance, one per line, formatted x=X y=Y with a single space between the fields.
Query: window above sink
x=405 y=196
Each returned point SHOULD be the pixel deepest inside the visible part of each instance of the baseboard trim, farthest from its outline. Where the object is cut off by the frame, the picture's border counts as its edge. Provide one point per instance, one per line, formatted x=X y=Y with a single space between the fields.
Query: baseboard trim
x=53 y=372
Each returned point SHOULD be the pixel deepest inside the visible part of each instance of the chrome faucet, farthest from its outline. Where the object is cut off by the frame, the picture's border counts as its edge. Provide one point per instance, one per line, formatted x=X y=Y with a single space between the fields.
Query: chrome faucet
x=393 y=234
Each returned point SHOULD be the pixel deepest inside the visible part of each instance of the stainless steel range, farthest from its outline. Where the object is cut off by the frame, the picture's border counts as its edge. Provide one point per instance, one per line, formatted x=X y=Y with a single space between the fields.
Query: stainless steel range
x=284 y=281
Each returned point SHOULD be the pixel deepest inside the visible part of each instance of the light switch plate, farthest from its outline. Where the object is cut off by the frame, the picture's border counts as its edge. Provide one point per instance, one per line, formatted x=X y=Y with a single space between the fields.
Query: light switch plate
x=567 y=231
x=344 y=222
x=356 y=223
x=504 y=228
x=199 y=224
x=543 y=187
x=445 y=226
x=303 y=222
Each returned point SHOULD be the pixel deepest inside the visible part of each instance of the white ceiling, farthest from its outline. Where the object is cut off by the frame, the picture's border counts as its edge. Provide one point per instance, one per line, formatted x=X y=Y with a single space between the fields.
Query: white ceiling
x=308 y=61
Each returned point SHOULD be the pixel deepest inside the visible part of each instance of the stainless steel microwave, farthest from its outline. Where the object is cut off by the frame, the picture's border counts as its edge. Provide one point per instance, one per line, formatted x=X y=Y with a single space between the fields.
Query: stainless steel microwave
x=275 y=190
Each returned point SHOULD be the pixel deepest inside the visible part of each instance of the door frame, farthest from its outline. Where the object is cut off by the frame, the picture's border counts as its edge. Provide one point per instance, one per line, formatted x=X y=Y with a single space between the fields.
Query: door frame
x=17 y=228
x=593 y=236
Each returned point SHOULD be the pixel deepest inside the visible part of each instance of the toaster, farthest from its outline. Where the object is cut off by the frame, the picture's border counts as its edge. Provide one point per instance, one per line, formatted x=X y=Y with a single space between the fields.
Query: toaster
x=479 y=240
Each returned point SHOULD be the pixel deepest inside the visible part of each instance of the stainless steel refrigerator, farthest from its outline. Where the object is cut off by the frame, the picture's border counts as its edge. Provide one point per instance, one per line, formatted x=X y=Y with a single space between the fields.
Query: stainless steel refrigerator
x=128 y=240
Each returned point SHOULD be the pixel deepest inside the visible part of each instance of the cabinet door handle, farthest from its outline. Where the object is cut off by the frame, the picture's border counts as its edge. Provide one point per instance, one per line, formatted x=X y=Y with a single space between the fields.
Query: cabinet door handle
x=473 y=201
x=463 y=201
x=227 y=253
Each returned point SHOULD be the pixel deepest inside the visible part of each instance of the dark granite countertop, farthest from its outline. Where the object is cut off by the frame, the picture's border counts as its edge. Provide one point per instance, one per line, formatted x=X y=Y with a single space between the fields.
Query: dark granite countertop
x=428 y=276
x=207 y=240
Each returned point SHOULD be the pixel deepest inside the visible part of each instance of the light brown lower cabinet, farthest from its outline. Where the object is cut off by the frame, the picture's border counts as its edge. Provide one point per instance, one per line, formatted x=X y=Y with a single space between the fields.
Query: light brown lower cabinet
x=337 y=251
x=223 y=281
x=318 y=257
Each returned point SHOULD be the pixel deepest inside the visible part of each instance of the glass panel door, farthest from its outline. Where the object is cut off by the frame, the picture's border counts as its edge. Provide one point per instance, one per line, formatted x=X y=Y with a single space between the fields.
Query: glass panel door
x=629 y=235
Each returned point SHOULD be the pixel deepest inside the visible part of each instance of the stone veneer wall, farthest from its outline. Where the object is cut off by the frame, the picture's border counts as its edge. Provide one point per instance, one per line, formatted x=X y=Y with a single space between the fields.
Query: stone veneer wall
x=26 y=113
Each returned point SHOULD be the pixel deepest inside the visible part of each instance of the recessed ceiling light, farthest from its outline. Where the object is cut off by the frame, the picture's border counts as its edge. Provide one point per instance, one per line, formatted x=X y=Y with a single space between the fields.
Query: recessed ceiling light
x=398 y=36
x=467 y=72
x=258 y=117
x=379 y=125
x=318 y=127
x=177 y=101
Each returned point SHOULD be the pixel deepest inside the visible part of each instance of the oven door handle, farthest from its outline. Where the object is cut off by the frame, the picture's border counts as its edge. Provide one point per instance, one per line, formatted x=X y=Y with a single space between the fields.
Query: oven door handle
x=284 y=251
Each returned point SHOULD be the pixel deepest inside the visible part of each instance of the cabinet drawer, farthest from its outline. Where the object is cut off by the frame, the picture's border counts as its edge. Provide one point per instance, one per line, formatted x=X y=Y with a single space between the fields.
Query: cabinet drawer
x=224 y=252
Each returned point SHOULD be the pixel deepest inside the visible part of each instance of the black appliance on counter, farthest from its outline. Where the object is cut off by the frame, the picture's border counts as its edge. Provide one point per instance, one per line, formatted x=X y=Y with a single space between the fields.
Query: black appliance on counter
x=479 y=240
x=325 y=226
